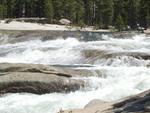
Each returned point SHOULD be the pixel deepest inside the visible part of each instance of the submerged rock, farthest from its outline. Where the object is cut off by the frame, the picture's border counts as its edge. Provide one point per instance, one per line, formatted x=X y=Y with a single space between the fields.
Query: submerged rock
x=38 y=79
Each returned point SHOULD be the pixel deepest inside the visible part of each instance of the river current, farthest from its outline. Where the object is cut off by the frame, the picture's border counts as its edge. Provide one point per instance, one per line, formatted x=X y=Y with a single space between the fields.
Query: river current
x=119 y=67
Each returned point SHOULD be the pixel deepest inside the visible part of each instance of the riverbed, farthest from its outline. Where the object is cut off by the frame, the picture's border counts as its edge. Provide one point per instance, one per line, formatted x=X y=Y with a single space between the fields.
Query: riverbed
x=119 y=67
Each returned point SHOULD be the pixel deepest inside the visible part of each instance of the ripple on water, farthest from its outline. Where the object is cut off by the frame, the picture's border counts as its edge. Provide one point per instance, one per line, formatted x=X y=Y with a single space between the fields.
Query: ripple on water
x=114 y=74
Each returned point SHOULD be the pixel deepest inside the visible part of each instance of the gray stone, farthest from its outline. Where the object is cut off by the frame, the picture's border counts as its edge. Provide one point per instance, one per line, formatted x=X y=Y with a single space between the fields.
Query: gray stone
x=38 y=79
x=147 y=106
x=94 y=103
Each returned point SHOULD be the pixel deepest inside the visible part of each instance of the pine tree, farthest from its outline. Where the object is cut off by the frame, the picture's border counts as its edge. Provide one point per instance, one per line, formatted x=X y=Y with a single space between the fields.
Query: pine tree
x=148 y=19
x=102 y=13
x=105 y=11
x=79 y=12
x=19 y=8
x=3 y=9
x=11 y=8
x=69 y=9
x=58 y=9
x=30 y=8
x=144 y=13
x=39 y=12
x=48 y=9
x=132 y=13
x=119 y=25
x=120 y=9
x=89 y=11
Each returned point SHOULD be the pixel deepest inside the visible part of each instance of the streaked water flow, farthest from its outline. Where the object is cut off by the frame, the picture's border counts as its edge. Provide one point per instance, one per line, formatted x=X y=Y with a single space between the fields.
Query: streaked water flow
x=118 y=68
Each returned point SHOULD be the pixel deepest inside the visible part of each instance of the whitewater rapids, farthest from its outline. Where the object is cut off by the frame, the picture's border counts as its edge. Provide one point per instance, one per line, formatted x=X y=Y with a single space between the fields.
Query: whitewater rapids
x=118 y=69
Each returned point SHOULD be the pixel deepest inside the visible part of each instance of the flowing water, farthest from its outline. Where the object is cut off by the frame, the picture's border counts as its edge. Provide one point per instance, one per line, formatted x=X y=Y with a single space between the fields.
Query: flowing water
x=118 y=67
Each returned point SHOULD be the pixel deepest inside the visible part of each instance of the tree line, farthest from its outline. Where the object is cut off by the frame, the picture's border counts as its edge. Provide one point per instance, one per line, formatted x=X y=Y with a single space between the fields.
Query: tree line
x=98 y=13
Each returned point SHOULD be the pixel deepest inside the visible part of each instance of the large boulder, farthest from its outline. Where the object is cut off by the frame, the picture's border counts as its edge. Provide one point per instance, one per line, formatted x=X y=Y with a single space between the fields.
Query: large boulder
x=38 y=79
x=147 y=107
x=65 y=21
x=95 y=102
x=135 y=104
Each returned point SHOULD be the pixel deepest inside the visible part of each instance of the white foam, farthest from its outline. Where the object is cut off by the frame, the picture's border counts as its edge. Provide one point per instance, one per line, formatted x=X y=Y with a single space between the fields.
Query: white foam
x=112 y=78
x=119 y=83
x=58 y=51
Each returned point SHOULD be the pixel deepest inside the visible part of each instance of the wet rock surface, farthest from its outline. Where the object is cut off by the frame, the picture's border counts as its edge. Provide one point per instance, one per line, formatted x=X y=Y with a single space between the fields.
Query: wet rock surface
x=97 y=54
x=147 y=107
x=38 y=79
x=135 y=104
x=105 y=68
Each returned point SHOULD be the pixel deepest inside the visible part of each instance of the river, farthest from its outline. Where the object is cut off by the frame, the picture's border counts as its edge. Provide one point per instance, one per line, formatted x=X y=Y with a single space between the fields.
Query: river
x=119 y=67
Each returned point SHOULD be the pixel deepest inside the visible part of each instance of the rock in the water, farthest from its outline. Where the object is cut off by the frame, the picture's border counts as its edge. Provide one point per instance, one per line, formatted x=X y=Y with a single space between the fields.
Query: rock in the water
x=94 y=103
x=135 y=104
x=147 y=106
x=38 y=79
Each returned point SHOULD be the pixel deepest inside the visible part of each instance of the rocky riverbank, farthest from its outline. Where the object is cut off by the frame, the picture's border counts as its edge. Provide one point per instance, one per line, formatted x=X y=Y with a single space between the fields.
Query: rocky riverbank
x=38 y=79
x=41 y=79
x=79 y=65
x=135 y=104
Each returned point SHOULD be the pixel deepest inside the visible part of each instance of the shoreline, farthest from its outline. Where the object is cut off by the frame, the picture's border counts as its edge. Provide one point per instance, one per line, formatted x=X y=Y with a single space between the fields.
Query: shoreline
x=27 y=26
x=72 y=30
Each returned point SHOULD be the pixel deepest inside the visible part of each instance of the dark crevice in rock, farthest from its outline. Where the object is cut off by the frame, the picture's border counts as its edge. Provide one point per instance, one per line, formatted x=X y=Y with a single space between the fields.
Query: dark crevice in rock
x=34 y=70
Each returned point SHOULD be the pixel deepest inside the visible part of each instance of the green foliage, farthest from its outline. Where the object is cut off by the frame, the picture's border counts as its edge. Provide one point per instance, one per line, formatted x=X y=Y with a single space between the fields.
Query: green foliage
x=132 y=13
x=148 y=20
x=48 y=9
x=144 y=13
x=120 y=9
x=89 y=11
x=99 y=13
x=30 y=8
x=96 y=27
x=105 y=12
x=81 y=24
x=79 y=12
x=119 y=25
x=3 y=9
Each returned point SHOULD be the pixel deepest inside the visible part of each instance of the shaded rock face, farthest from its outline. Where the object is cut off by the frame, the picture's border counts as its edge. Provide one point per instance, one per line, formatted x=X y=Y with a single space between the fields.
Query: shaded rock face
x=147 y=107
x=135 y=104
x=37 y=87
x=38 y=79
